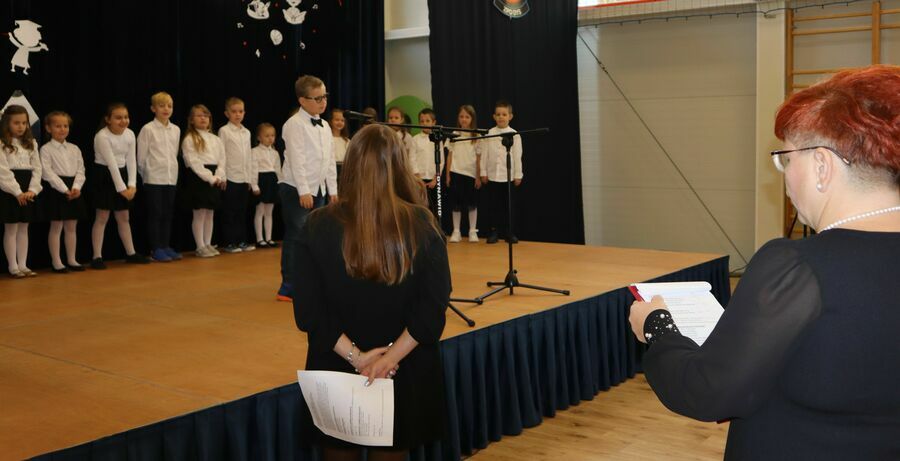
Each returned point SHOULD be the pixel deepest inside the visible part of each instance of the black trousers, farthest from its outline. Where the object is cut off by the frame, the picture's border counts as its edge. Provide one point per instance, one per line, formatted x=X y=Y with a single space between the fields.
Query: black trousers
x=160 y=201
x=498 y=210
x=234 y=213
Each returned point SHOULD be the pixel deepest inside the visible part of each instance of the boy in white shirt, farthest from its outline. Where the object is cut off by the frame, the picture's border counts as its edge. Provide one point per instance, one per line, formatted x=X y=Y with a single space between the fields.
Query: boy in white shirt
x=495 y=175
x=241 y=173
x=421 y=157
x=309 y=171
x=157 y=162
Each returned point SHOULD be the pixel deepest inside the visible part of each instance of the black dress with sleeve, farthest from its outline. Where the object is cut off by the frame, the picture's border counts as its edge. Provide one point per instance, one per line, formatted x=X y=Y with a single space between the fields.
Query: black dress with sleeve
x=805 y=361
x=330 y=302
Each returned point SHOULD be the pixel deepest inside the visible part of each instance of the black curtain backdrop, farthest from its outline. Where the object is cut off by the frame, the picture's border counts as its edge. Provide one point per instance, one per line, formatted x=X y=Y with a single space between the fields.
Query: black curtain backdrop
x=201 y=52
x=478 y=56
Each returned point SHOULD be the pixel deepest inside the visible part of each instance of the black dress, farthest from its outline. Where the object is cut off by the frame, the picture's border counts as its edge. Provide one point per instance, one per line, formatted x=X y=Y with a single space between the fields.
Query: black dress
x=805 y=359
x=329 y=302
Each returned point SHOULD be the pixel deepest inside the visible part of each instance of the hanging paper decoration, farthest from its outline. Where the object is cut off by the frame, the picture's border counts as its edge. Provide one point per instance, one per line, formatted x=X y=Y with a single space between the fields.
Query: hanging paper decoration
x=293 y=15
x=276 y=37
x=257 y=9
x=27 y=38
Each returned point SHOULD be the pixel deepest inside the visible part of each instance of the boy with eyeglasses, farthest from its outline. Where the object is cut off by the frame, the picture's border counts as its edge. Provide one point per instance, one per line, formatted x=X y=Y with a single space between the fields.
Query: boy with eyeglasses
x=308 y=173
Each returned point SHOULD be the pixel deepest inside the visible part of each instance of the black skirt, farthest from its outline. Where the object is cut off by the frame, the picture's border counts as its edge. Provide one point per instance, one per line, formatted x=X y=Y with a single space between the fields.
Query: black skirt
x=268 y=187
x=462 y=192
x=199 y=194
x=56 y=206
x=10 y=210
x=105 y=196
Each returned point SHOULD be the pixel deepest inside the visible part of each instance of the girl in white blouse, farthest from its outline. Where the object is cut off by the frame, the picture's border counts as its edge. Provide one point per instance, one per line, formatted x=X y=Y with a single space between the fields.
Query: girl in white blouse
x=63 y=175
x=341 y=134
x=20 y=182
x=265 y=187
x=204 y=156
x=465 y=165
x=116 y=182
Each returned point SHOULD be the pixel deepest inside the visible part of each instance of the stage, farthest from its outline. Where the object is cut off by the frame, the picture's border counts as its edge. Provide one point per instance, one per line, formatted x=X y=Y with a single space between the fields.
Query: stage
x=201 y=347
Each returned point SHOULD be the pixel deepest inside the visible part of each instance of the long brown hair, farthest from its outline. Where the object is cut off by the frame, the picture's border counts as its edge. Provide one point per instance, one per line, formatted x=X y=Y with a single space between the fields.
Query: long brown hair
x=469 y=109
x=27 y=139
x=382 y=207
x=196 y=138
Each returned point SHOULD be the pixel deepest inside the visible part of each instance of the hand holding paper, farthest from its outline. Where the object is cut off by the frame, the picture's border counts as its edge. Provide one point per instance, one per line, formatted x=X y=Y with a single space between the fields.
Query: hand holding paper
x=692 y=305
x=344 y=407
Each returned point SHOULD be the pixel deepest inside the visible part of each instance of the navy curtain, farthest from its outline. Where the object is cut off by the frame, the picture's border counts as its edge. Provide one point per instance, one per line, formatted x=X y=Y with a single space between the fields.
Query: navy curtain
x=201 y=52
x=478 y=56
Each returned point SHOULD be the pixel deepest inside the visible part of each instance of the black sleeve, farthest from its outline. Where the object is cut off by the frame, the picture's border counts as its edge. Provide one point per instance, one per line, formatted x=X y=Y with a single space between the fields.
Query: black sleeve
x=310 y=312
x=739 y=364
x=425 y=319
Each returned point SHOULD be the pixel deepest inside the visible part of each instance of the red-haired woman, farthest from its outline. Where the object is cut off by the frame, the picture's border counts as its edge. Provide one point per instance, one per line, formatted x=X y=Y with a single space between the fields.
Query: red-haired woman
x=805 y=361
x=373 y=283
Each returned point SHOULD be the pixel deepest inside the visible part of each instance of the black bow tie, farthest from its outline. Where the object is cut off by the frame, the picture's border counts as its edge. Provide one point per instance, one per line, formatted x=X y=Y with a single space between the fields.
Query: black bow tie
x=316 y=121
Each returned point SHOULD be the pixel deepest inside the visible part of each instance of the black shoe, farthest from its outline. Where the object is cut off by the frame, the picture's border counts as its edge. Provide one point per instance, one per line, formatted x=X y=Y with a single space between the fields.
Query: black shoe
x=512 y=239
x=98 y=264
x=61 y=270
x=272 y=244
x=137 y=258
x=492 y=238
x=78 y=268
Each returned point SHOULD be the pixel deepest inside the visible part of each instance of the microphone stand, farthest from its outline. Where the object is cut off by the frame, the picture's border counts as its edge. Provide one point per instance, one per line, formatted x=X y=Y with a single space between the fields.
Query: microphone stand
x=512 y=280
x=437 y=135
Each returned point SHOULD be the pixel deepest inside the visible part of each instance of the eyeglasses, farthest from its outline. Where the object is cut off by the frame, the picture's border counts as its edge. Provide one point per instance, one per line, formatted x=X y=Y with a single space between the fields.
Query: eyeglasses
x=781 y=161
x=317 y=98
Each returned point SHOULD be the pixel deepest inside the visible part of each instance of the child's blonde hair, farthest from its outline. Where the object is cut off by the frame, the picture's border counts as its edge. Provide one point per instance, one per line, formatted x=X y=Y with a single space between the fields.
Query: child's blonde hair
x=232 y=101
x=196 y=138
x=49 y=118
x=263 y=126
x=161 y=98
x=306 y=83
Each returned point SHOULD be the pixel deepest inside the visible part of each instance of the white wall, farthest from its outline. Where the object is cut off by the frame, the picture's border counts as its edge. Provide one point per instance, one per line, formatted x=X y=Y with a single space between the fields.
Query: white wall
x=693 y=82
x=407 y=68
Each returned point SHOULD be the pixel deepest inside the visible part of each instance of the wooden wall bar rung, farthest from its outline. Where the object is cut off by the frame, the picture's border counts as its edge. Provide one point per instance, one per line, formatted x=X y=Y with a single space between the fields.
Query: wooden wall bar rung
x=821 y=71
x=799 y=87
x=831 y=16
x=834 y=30
x=890 y=11
x=890 y=26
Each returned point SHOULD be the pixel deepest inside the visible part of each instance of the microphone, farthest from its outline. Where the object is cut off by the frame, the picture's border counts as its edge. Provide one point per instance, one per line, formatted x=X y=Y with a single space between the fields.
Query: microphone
x=357 y=115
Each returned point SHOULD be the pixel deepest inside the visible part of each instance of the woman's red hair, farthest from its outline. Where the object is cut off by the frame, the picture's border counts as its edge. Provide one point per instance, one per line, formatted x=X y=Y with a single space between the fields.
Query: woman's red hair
x=856 y=110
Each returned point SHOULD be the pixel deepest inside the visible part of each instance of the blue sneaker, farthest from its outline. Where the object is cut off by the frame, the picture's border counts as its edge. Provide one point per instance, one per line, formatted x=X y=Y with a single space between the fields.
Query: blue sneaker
x=285 y=293
x=160 y=255
x=176 y=256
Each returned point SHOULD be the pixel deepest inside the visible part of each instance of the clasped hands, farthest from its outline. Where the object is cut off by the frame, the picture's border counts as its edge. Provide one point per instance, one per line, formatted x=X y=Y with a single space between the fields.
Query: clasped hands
x=375 y=363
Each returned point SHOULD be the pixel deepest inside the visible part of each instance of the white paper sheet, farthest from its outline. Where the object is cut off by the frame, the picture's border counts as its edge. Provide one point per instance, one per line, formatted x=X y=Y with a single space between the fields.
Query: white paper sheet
x=693 y=307
x=344 y=408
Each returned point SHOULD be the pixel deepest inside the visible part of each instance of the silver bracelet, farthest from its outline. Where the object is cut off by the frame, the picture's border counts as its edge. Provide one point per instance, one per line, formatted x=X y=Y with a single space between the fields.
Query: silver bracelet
x=350 y=354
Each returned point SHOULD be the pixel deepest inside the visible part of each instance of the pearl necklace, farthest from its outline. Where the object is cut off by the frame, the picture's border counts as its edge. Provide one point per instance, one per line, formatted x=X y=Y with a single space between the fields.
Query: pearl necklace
x=860 y=216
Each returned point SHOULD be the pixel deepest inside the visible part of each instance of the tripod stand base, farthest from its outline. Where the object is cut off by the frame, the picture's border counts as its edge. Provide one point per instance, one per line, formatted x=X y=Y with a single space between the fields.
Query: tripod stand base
x=468 y=321
x=511 y=282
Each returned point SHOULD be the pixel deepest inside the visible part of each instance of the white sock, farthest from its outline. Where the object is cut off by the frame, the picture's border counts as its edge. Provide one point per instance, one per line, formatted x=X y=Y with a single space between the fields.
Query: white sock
x=125 y=231
x=457 y=217
x=71 y=229
x=22 y=246
x=473 y=219
x=258 y=221
x=10 y=230
x=53 y=236
x=197 y=227
x=268 y=221
x=97 y=232
x=208 y=228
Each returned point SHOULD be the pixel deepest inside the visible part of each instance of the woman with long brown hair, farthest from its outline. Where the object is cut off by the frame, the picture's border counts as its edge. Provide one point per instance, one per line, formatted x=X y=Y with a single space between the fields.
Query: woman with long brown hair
x=373 y=282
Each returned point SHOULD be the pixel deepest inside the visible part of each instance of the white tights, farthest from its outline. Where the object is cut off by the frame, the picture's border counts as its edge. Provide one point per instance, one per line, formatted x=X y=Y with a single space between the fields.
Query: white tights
x=15 y=245
x=473 y=219
x=100 y=228
x=202 y=226
x=263 y=219
x=56 y=229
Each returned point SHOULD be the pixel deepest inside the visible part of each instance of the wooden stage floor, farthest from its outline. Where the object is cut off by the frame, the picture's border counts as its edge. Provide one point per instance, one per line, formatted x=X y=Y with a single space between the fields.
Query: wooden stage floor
x=87 y=355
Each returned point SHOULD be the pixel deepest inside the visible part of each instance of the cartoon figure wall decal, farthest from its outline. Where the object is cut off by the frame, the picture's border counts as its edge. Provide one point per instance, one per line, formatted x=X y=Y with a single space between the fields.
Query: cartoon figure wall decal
x=293 y=15
x=276 y=37
x=257 y=9
x=27 y=38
